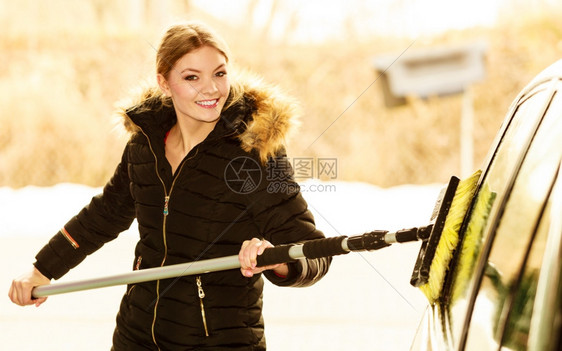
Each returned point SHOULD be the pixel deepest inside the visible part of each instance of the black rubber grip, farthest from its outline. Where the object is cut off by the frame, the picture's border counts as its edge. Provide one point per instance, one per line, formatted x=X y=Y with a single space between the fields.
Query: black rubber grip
x=368 y=241
x=274 y=255
x=318 y=248
x=324 y=247
x=406 y=235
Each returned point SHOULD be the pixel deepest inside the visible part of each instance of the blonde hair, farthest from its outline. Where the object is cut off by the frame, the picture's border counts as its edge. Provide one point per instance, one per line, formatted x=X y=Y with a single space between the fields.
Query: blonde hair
x=182 y=39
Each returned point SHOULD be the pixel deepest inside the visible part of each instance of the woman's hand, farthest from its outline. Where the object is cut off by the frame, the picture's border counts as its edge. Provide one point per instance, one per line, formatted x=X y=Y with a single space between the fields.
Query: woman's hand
x=248 y=258
x=20 y=291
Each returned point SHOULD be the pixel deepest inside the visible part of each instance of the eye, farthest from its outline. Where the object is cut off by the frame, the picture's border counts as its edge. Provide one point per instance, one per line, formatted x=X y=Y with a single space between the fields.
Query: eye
x=220 y=74
x=191 y=77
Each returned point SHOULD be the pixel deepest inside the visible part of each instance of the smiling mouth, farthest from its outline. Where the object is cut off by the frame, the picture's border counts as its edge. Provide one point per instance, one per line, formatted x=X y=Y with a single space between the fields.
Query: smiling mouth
x=208 y=103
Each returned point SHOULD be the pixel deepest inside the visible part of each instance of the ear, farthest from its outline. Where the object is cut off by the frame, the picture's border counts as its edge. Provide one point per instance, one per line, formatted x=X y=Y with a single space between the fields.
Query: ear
x=163 y=84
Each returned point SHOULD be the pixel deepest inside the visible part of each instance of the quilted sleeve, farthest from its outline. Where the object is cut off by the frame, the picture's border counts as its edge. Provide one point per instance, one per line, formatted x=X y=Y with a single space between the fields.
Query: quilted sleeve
x=108 y=214
x=282 y=216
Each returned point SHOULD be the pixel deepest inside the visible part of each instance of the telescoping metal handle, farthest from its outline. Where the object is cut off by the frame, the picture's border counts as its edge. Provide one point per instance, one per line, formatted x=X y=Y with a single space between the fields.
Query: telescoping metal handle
x=279 y=254
x=341 y=245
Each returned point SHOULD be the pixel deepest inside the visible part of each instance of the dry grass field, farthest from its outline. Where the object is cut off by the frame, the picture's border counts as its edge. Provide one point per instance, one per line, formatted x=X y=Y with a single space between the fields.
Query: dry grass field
x=67 y=63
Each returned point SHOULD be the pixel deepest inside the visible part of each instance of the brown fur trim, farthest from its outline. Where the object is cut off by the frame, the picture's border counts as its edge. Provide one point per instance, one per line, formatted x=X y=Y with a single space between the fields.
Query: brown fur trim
x=275 y=116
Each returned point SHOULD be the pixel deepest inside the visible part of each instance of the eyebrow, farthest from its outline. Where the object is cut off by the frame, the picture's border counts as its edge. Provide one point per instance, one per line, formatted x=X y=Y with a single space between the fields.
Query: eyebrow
x=198 y=71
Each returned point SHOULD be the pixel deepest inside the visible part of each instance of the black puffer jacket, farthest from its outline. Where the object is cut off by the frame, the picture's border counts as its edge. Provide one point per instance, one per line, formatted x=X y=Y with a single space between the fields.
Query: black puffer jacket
x=227 y=190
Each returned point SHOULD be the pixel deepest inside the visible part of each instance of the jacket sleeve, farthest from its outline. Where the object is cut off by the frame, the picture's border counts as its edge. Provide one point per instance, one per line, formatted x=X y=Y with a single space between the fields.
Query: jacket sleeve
x=108 y=214
x=282 y=217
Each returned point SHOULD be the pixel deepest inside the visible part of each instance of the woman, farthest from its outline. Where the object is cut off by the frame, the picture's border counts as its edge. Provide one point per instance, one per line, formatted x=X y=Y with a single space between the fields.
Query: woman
x=197 y=174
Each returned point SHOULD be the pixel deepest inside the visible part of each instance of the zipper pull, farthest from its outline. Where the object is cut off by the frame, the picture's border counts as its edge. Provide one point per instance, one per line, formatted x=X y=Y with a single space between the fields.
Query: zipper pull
x=200 y=288
x=166 y=201
x=201 y=297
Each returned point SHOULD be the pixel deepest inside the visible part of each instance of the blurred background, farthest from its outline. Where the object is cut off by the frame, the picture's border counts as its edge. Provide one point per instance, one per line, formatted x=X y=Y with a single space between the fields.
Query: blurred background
x=66 y=64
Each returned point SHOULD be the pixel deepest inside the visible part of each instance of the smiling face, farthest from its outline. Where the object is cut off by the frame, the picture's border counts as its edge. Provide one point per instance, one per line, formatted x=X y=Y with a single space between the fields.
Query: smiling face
x=198 y=85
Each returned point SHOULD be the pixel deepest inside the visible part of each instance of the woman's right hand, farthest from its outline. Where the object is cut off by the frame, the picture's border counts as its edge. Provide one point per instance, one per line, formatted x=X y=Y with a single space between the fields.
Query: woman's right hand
x=20 y=291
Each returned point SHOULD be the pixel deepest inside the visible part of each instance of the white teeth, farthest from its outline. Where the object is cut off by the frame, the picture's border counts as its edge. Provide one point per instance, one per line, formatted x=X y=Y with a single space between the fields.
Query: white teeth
x=207 y=102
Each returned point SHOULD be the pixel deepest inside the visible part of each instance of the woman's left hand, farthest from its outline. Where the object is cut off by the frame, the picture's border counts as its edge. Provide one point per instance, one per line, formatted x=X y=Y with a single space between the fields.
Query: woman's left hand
x=248 y=258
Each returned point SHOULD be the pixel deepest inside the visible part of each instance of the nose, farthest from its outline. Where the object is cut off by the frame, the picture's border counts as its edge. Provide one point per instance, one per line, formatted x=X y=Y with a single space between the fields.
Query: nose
x=209 y=87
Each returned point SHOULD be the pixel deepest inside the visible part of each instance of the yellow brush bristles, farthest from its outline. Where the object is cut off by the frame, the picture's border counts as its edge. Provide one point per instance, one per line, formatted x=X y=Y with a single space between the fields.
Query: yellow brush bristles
x=472 y=240
x=449 y=237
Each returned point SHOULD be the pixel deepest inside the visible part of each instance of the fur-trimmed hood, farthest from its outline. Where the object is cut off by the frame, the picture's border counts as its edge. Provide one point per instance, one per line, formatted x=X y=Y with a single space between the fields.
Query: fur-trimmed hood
x=260 y=114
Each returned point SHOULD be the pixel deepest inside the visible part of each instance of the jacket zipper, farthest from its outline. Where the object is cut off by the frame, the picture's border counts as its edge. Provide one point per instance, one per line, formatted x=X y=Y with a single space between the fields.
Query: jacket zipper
x=165 y=213
x=201 y=293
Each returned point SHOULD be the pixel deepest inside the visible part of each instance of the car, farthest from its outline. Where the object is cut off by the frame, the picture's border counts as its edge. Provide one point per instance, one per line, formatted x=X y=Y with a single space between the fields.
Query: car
x=503 y=287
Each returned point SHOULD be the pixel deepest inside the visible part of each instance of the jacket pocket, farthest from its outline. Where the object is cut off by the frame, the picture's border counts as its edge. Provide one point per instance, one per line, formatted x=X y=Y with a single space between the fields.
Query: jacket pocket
x=130 y=289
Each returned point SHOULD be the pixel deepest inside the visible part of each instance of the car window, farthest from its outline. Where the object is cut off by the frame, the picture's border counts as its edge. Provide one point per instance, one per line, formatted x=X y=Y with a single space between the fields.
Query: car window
x=518 y=216
x=514 y=311
x=514 y=234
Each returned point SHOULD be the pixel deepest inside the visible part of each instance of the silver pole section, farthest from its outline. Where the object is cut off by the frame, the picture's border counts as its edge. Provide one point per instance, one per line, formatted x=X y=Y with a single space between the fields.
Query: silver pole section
x=149 y=274
x=143 y=275
x=178 y=270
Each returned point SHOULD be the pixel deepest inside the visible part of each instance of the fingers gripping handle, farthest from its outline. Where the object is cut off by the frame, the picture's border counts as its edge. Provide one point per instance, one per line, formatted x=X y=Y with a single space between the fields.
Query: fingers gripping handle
x=310 y=249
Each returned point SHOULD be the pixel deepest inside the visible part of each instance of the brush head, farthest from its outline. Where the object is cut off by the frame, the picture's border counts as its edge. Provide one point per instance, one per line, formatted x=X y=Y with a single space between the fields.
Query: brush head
x=472 y=241
x=436 y=253
x=420 y=274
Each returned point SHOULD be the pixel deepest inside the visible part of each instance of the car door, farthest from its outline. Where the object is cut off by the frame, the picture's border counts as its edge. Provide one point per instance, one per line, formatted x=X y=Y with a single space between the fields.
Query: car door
x=490 y=296
x=501 y=292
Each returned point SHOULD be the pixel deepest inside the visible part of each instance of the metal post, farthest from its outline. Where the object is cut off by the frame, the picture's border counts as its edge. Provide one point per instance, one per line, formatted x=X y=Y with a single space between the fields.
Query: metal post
x=467 y=133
